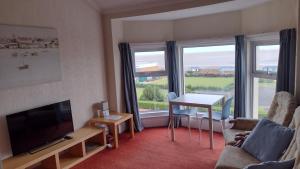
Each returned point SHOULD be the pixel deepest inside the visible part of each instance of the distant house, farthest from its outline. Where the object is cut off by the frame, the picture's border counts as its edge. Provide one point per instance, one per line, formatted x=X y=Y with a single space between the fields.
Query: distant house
x=12 y=45
x=2 y=46
x=148 y=67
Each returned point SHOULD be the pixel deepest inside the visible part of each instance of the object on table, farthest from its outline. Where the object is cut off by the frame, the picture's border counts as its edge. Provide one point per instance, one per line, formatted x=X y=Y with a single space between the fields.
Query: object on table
x=103 y=109
x=113 y=117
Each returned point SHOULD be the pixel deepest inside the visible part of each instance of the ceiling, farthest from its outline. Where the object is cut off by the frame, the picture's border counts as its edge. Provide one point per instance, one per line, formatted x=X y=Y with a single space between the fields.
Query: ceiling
x=234 y=5
x=106 y=5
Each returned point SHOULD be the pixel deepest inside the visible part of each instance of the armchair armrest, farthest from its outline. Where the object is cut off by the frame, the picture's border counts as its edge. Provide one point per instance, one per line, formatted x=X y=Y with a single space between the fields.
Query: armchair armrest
x=243 y=124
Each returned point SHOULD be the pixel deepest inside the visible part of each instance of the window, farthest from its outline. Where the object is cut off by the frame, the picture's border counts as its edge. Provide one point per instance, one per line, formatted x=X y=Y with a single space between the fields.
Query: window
x=264 y=69
x=266 y=59
x=151 y=80
x=209 y=69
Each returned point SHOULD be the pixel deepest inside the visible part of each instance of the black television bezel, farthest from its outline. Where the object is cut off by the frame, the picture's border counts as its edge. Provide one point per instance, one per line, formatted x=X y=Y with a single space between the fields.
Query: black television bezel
x=49 y=142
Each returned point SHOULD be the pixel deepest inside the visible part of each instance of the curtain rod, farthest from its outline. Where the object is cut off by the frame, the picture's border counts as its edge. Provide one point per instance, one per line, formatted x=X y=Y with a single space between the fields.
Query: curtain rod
x=213 y=39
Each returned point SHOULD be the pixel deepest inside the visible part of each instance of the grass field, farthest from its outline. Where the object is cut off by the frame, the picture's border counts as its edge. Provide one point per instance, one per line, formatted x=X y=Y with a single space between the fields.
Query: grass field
x=217 y=82
x=139 y=92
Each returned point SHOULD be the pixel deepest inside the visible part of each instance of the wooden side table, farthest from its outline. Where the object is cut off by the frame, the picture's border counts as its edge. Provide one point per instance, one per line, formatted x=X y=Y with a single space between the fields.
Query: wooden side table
x=114 y=124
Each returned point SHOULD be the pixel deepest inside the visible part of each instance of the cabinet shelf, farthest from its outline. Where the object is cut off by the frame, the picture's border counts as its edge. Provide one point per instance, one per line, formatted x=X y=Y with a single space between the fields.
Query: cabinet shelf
x=63 y=155
x=68 y=161
x=95 y=150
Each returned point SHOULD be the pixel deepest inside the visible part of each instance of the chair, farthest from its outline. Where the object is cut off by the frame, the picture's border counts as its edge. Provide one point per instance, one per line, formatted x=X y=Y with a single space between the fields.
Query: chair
x=178 y=113
x=221 y=116
x=281 y=111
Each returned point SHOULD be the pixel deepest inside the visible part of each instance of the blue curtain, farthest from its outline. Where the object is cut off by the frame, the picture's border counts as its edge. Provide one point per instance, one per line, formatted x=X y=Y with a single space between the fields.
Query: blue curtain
x=286 y=63
x=172 y=63
x=173 y=80
x=240 y=77
x=129 y=84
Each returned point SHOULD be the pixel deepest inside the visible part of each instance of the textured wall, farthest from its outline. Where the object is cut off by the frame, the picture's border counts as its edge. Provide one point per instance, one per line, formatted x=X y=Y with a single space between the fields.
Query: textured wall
x=81 y=55
x=208 y=26
x=270 y=17
x=148 y=31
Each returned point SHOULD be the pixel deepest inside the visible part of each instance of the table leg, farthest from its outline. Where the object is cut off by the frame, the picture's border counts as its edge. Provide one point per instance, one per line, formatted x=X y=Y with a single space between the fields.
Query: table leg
x=131 y=124
x=211 y=130
x=172 y=121
x=116 y=135
x=223 y=101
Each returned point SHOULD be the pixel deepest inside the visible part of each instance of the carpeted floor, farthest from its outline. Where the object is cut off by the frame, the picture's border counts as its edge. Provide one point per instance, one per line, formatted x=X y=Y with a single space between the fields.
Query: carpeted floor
x=152 y=149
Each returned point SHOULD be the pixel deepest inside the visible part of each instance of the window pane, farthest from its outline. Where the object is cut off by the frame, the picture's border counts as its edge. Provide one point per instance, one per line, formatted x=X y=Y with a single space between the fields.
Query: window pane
x=263 y=93
x=267 y=58
x=151 y=81
x=152 y=93
x=209 y=70
x=150 y=61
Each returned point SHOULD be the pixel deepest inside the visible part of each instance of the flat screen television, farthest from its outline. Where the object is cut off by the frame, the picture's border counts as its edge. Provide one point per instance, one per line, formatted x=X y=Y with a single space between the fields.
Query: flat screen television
x=31 y=129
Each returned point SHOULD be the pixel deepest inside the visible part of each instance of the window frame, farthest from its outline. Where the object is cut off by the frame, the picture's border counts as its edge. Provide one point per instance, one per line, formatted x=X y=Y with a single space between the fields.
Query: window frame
x=150 y=73
x=150 y=47
x=202 y=43
x=254 y=71
x=258 y=40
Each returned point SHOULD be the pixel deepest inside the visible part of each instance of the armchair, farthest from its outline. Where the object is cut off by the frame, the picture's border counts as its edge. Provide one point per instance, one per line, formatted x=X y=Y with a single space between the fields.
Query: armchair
x=281 y=111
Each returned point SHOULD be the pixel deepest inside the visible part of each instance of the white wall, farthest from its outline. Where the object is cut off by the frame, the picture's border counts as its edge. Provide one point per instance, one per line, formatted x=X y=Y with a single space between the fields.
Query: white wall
x=148 y=31
x=117 y=31
x=209 y=26
x=81 y=54
x=270 y=17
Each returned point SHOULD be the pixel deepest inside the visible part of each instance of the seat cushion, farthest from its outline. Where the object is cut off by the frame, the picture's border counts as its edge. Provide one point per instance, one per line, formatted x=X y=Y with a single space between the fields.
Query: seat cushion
x=235 y=158
x=289 y=164
x=215 y=115
x=229 y=135
x=186 y=112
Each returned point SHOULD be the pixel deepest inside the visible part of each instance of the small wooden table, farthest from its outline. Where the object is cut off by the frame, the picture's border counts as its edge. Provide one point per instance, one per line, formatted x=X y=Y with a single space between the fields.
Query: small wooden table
x=197 y=100
x=114 y=124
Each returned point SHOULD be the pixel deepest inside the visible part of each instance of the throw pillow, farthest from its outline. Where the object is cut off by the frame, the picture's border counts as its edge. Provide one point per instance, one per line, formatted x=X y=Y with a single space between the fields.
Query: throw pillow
x=268 y=140
x=273 y=165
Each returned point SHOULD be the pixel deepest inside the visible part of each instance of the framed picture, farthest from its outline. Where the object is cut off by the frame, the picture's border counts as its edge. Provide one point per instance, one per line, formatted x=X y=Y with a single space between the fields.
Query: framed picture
x=28 y=56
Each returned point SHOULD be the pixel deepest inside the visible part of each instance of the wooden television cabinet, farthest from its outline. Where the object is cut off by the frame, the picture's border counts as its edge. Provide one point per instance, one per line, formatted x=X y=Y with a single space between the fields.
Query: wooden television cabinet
x=85 y=142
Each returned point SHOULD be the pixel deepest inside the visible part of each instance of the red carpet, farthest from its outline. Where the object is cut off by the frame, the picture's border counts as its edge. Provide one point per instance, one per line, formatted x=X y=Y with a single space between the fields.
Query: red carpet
x=152 y=149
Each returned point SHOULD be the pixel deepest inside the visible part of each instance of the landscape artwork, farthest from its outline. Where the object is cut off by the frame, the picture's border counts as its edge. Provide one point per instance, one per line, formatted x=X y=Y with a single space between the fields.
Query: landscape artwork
x=28 y=56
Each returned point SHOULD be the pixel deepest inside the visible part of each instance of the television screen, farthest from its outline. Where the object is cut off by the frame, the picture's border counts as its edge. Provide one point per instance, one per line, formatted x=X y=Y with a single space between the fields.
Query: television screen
x=37 y=127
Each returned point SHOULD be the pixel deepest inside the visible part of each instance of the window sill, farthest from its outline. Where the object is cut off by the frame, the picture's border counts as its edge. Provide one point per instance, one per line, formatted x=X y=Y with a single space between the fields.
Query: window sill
x=154 y=114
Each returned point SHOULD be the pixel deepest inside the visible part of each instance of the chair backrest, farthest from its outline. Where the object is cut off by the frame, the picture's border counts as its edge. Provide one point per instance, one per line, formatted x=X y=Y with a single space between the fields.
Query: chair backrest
x=226 y=109
x=172 y=96
x=293 y=151
x=282 y=108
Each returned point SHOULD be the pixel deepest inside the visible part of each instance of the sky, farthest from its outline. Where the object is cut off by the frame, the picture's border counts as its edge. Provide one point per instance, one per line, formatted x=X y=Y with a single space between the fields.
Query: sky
x=211 y=56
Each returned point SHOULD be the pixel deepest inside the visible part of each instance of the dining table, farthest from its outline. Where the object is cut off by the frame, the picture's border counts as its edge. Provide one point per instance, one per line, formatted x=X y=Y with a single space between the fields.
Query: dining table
x=197 y=100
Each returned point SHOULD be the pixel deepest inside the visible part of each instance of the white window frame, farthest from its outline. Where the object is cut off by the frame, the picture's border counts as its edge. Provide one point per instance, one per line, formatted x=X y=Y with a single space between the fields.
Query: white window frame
x=252 y=43
x=150 y=47
x=197 y=43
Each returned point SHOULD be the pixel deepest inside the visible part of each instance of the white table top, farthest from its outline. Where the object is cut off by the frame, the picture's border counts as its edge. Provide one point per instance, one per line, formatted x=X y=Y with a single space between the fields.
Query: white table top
x=198 y=99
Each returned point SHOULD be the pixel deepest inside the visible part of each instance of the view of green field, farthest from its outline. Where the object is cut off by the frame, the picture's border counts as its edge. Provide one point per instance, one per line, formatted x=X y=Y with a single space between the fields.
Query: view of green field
x=193 y=84
x=204 y=82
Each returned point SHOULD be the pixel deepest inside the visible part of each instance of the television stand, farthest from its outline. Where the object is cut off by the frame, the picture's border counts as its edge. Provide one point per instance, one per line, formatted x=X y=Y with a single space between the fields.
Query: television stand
x=46 y=146
x=68 y=137
x=85 y=143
